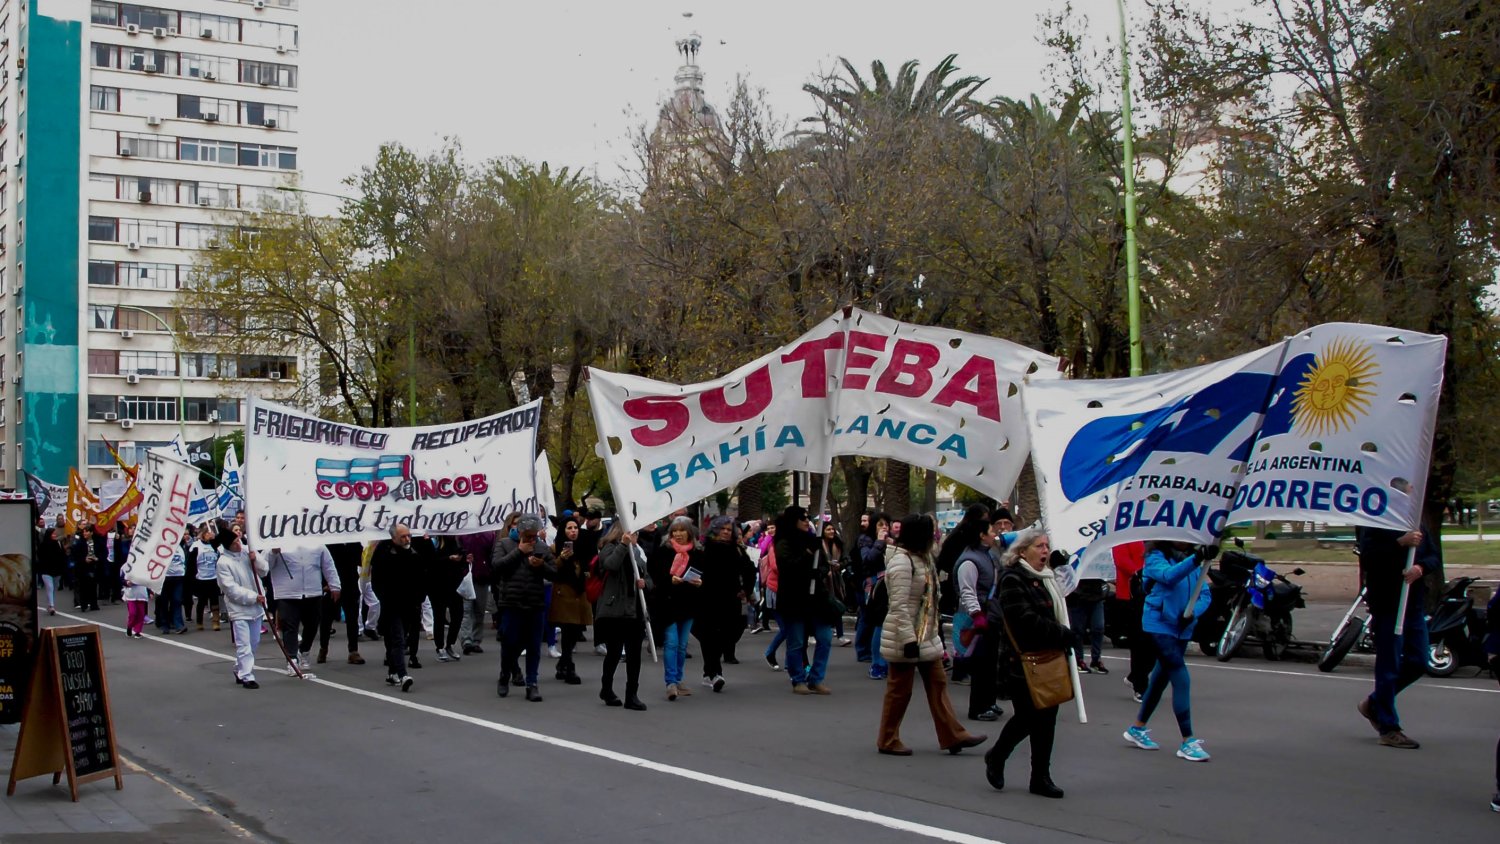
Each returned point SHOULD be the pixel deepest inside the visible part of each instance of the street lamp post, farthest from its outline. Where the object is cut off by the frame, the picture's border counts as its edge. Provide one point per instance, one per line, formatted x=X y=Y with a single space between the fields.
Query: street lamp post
x=411 y=325
x=181 y=385
x=1132 y=253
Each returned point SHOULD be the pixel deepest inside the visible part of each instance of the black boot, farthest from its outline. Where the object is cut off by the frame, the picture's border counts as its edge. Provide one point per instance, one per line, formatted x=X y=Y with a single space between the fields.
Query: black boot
x=502 y=686
x=609 y=697
x=1043 y=786
x=994 y=770
x=571 y=676
x=632 y=702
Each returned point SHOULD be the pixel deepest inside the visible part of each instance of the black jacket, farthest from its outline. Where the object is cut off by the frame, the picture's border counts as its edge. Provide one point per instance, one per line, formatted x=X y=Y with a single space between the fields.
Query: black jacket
x=673 y=602
x=522 y=586
x=620 y=598
x=51 y=559
x=396 y=575
x=725 y=569
x=1381 y=562
x=443 y=574
x=801 y=578
x=1026 y=605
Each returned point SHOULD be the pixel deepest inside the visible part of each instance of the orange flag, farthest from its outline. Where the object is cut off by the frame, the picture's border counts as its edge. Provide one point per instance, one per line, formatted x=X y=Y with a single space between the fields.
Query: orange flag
x=82 y=504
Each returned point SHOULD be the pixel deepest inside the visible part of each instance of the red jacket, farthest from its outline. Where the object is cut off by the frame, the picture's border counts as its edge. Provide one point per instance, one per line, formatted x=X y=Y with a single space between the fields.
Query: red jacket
x=1129 y=559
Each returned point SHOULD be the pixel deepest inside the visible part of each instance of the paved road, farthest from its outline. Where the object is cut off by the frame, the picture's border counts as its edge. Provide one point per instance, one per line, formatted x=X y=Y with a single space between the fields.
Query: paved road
x=344 y=758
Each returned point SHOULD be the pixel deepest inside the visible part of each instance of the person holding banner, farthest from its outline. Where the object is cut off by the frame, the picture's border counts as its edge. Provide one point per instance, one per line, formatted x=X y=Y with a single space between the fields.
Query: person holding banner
x=1169 y=578
x=912 y=642
x=1400 y=659
x=240 y=572
x=977 y=645
x=1030 y=608
x=618 y=624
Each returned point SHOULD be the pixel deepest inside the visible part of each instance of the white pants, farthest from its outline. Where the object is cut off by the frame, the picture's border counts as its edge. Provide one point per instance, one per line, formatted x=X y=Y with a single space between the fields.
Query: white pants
x=50 y=583
x=246 y=640
x=372 y=604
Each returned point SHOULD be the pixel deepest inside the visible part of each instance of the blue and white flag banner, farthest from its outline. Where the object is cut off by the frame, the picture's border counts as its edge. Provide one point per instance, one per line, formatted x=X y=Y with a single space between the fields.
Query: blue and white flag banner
x=230 y=494
x=1333 y=425
x=857 y=383
x=1348 y=436
x=312 y=481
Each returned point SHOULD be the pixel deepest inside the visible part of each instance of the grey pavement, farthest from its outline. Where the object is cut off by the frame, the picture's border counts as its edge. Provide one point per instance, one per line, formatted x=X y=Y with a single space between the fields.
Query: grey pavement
x=345 y=758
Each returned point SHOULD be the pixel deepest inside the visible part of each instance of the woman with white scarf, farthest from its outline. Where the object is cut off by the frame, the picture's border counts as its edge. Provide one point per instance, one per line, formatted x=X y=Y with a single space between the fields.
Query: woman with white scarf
x=1029 y=604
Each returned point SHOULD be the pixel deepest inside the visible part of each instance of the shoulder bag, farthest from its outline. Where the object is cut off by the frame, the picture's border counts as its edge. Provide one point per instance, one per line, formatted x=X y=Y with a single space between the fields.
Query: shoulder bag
x=1046 y=673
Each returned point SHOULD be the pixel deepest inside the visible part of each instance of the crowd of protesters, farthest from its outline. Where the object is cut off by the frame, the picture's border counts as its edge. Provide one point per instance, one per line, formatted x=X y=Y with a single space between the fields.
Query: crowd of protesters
x=974 y=606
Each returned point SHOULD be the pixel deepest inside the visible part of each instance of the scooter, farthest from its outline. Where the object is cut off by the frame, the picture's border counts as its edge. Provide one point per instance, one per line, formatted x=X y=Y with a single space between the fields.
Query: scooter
x=1456 y=631
x=1263 y=609
x=1353 y=633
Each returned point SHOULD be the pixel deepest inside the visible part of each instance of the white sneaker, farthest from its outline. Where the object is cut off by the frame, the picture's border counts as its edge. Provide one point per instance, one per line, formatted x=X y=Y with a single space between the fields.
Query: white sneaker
x=709 y=682
x=601 y=650
x=302 y=662
x=553 y=652
x=291 y=670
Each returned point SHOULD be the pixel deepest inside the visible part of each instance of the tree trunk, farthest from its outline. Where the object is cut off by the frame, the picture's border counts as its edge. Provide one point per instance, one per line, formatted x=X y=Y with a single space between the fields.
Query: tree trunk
x=1026 y=506
x=897 y=488
x=567 y=465
x=856 y=501
x=750 y=498
x=929 y=492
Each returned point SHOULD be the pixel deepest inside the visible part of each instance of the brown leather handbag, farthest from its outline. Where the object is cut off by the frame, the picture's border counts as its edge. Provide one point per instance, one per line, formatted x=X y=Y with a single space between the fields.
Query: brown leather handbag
x=1046 y=673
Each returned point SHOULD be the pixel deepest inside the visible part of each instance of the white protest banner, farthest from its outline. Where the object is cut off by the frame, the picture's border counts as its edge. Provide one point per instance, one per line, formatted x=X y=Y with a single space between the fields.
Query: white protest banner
x=51 y=499
x=938 y=399
x=230 y=495
x=546 y=499
x=167 y=488
x=313 y=481
x=1348 y=438
x=666 y=446
x=1157 y=457
x=858 y=383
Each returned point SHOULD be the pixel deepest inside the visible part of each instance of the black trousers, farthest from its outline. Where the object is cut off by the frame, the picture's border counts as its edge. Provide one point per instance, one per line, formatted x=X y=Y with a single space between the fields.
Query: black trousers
x=1040 y=725
x=401 y=628
x=1142 y=649
x=348 y=604
x=716 y=632
x=984 y=665
x=447 y=616
x=297 y=619
x=87 y=591
x=207 y=593
x=621 y=635
x=572 y=634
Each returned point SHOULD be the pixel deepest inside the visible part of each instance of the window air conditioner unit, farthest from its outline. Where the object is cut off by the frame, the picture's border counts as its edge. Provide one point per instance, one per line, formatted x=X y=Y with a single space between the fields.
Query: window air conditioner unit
x=132 y=378
x=126 y=334
x=111 y=417
x=153 y=120
x=150 y=67
x=159 y=31
x=260 y=4
x=270 y=123
x=16 y=379
x=126 y=152
x=209 y=34
x=274 y=376
x=281 y=48
x=133 y=246
x=212 y=244
x=171 y=30
x=127 y=424
x=116 y=474
x=209 y=76
x=132 y=29
x=204 y=201
x=144 y=196
x=211 y=116
x=212 y=373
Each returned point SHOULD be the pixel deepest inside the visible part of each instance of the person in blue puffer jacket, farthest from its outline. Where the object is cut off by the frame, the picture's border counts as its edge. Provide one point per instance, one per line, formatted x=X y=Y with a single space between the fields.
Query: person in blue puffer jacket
x=1170 y=575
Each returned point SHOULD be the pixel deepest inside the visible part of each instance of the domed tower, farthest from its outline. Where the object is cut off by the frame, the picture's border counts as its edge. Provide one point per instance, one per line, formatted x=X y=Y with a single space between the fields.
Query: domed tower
x=689 y=137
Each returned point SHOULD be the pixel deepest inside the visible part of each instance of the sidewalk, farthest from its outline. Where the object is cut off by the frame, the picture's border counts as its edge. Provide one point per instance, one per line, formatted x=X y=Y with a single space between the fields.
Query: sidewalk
x=148 y=810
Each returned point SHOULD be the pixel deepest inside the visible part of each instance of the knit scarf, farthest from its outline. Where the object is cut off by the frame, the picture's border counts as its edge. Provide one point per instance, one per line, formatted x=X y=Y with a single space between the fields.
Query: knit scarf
x=1049 y=579
x=680 y=562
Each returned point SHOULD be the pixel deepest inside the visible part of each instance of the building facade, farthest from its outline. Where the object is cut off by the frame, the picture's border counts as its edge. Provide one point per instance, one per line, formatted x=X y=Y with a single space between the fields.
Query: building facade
x=131 y=134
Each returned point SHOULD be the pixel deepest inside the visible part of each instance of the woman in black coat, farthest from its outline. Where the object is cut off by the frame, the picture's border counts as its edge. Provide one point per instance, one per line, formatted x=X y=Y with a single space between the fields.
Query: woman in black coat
x=720 y=622
x=803 y=600
x=51 y=562
x=1029 y=606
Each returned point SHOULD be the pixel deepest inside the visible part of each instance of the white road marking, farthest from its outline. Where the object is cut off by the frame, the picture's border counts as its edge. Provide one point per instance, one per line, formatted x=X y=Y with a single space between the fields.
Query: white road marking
x=1319 y=676
x=898 y=824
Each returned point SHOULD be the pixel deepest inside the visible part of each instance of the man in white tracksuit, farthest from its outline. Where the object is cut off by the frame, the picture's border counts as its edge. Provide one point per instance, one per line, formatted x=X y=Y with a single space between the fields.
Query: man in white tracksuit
x=239 y=581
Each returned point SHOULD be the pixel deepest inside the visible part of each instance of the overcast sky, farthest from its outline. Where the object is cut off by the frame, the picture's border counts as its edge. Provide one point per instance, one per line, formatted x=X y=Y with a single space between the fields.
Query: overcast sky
x=566 y=81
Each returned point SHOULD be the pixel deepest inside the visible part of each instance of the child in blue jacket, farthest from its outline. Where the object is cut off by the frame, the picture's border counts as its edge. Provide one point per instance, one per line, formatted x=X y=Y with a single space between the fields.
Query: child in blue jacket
x=1170 y=574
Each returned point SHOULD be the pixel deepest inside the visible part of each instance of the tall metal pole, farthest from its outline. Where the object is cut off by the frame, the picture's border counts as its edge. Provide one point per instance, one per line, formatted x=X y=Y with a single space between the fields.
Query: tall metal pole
x=411 y=371
x=1132 y=253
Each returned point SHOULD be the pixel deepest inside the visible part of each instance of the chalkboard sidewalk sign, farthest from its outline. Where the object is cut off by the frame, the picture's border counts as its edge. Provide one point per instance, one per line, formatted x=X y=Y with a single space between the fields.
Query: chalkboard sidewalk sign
x=66 y=725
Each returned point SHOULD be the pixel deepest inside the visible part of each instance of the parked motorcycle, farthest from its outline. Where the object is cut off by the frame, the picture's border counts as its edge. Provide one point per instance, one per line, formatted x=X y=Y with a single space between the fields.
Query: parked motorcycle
x=1352 y=633
x=1262 y=609
x=1456 y=631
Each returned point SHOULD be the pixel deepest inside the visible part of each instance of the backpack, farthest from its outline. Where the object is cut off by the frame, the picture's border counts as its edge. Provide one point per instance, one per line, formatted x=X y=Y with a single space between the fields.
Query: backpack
x=593 y=587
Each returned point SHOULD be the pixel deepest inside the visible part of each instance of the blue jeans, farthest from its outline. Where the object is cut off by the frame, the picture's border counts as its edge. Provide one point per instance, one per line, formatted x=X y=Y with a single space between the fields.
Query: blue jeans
x=877 y=662
x=1399 y=660
x=1170 y=668
x=521 y=628
x=1088 y=615
x=862 y=632
x=778 y=638
x=675 y=656
x=796 y=643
